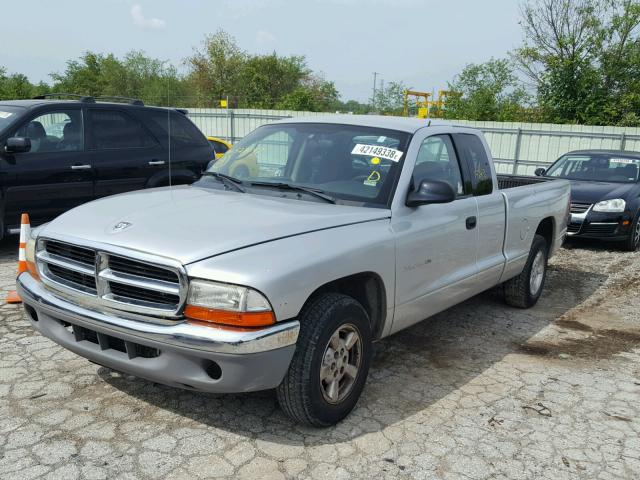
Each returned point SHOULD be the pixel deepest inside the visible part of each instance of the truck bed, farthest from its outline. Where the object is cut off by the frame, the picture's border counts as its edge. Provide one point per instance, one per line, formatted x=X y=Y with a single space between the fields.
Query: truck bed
x=512 y=181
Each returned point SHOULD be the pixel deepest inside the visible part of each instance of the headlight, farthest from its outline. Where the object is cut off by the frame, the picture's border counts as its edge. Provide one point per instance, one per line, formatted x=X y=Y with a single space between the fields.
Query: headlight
x=30 y=254
x=613 y=205
x=227 y=304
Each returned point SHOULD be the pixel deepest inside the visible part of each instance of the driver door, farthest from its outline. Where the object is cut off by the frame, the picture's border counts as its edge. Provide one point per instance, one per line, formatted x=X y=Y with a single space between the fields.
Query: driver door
x=435 y=244
x=54 y=175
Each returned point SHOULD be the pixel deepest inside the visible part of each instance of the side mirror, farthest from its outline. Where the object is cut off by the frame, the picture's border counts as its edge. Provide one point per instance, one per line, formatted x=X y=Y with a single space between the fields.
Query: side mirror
x=540 y=172
x=17 y=145
x=431 y=192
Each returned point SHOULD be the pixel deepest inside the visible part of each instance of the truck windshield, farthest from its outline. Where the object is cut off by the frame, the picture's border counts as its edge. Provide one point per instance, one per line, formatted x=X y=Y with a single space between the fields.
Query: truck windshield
x=8 y=115
x=352 y=164
x=616 y=168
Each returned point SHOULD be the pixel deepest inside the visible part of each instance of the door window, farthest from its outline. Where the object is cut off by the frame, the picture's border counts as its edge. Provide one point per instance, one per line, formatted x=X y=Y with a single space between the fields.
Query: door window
x=437 y=161
x=113 y=129
x=473 y=152
x=57 y=131
x=178 y=128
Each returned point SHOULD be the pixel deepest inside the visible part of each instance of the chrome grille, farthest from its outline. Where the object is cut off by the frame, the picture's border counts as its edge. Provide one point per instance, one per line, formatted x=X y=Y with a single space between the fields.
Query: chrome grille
x=112 y=279
x=579 y=207
x=77 y=254
x=125 y=265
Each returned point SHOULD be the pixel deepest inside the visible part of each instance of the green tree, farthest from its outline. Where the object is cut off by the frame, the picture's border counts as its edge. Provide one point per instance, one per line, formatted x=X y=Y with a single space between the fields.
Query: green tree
x=487 y=91
x=17 y=86
x=582 y=57
x=266 y=79
x=389 y=99
x=215 y=69
x=136 y=76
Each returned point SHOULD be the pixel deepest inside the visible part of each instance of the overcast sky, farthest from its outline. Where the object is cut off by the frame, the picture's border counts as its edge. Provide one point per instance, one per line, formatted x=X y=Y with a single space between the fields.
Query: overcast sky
x=421 y=42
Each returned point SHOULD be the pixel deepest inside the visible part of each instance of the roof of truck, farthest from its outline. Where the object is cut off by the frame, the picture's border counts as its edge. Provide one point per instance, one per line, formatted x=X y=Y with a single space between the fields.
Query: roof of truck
x=404 y=124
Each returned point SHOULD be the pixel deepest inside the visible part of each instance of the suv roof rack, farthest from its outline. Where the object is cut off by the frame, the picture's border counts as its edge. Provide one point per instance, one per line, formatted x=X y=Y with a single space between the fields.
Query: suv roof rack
x=82 y=98
x=129 y=100
x=90 y=99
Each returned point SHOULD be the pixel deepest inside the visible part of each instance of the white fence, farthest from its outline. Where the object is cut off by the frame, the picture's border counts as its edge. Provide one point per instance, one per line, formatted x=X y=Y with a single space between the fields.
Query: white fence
x=517 y=147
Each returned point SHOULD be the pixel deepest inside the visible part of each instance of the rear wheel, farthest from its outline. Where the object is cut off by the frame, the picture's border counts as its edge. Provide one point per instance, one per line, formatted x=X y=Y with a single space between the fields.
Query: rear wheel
x=632 y=243
x=330 y=366
x=524 y=290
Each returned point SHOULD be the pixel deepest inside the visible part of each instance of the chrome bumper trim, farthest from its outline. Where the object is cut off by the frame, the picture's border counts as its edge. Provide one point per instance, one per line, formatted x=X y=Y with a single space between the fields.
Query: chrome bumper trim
x=182 y=334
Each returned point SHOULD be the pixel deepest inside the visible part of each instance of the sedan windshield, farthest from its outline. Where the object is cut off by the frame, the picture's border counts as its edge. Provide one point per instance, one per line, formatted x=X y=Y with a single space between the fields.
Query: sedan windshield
x=312 y=161
x=597 y=167
x=8 y=114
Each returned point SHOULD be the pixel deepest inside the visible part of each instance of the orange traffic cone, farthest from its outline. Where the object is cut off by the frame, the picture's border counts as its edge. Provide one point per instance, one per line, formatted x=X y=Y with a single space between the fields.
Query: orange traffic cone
x=25 y=226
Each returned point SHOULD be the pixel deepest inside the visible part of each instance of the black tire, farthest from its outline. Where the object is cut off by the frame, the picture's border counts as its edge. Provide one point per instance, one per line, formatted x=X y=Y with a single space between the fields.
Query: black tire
x=300 y=394
x=632 y=243
x=517 y=291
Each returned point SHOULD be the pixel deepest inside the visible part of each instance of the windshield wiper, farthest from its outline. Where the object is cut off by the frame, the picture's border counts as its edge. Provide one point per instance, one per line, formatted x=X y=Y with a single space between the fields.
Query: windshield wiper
x=290 y=186
x=227 y=180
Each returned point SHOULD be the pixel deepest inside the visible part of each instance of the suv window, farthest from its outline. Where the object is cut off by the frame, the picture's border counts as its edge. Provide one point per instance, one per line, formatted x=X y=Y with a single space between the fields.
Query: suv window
x=116 y=129
x=56 y=131
x=473 y=152
x=183 y=132
x=437 y=161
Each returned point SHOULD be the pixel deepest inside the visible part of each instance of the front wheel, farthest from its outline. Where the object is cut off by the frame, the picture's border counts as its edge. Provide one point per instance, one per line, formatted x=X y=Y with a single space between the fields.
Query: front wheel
x=524 y=290
x=330 y=366
x=632 y=243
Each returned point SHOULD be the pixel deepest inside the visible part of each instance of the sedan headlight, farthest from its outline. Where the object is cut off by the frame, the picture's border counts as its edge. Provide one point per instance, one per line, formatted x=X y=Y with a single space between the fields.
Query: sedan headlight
x=613 y=205
x=226 y=304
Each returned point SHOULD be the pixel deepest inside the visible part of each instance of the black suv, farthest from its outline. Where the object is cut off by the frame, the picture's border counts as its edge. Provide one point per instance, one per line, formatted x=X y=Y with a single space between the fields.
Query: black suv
x=56 y=154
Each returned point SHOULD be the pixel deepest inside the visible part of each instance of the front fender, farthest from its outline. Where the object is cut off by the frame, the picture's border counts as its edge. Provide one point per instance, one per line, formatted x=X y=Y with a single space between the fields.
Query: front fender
x=289 y=270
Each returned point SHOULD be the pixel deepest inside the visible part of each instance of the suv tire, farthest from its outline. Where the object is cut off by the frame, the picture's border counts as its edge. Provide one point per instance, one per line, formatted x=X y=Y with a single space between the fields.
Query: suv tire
x=331 y=362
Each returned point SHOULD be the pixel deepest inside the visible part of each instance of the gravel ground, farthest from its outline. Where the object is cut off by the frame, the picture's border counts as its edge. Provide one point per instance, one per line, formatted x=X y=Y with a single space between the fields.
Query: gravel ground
x=480 y=391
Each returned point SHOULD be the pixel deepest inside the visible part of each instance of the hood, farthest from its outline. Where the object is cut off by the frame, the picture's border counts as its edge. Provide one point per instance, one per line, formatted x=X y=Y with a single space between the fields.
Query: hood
x=190 y=223
x=593 y=192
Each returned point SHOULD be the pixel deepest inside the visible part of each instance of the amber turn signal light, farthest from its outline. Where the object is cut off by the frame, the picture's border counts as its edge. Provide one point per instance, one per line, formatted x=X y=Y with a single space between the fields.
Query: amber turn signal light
x=224 y=317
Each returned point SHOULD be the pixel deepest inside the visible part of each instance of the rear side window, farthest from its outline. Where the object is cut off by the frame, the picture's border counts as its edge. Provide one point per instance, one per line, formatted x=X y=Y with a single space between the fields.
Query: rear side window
x=112 y=129
x=472 y=151
x=183 y=132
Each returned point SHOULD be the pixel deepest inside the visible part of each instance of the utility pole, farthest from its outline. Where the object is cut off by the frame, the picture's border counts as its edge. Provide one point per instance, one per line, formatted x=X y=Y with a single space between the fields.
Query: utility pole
x=373 y=99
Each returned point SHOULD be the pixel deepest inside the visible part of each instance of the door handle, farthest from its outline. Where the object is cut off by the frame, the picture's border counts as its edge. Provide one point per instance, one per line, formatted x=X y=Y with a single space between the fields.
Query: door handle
x=471 y=223
x=80 y=167
x=156 y=162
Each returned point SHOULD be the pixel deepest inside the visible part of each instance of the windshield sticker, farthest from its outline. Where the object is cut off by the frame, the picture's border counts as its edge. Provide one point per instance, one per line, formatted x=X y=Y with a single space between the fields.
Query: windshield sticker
x=626 y=161
x=5 y=114
x=381 y=139
x=375 y=161
x=373 y=179
x=377 y=151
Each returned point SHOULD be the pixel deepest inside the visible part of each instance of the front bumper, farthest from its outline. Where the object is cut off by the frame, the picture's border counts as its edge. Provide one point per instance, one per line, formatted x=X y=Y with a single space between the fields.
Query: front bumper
x=600 y=225
x=179 y=354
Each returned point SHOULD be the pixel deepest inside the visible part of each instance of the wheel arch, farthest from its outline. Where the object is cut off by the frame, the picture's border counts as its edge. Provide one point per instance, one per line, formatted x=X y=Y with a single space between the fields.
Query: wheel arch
x=365 y=287
x=546 y=229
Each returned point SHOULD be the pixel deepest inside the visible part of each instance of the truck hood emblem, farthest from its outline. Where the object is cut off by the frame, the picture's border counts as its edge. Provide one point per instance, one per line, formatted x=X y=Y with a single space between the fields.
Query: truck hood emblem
x=118 y=227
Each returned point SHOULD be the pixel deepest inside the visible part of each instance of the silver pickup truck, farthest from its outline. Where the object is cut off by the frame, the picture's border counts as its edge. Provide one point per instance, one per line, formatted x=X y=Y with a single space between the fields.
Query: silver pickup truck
x=308 y=241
